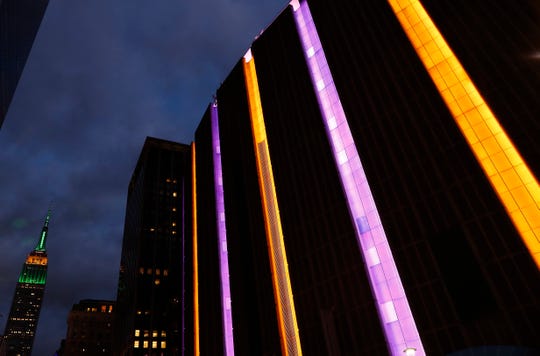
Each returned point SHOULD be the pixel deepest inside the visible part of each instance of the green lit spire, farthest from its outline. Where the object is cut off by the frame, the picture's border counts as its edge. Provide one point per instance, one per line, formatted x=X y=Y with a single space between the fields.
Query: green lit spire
x=43 y=239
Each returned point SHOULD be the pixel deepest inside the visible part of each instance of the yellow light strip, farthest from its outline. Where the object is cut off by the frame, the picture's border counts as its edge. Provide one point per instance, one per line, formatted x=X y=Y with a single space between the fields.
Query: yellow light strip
x=288 y=327
x=508 y=173
x=196 y=347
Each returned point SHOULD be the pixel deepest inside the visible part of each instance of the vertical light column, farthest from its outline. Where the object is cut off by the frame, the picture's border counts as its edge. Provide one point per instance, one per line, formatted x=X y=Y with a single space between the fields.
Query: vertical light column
x=196 y=347
x=184 y=316
x=509 y=175
x=288 y=327
x=394 y=311
x=222 y=235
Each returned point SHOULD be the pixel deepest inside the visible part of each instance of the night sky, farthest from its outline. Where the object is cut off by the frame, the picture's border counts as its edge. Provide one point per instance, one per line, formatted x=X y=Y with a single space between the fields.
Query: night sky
x=103 y=75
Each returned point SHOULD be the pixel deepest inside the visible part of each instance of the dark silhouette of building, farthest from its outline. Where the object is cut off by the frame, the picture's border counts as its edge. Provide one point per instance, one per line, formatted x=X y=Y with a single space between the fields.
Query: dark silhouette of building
x=24 y=313
x=19 y=23
x=90 y=328
x=383 y=158
x=151 y=300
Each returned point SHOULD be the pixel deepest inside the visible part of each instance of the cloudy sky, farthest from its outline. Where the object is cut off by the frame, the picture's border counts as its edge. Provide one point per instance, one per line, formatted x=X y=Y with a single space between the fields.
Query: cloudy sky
x=102 y=76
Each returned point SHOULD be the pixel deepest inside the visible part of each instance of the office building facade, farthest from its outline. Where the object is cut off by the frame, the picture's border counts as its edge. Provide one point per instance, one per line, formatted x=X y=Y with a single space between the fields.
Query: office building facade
x=24 y=313
x=90 y=328
x=151 y=302
x=378 y=171
x=19 y=24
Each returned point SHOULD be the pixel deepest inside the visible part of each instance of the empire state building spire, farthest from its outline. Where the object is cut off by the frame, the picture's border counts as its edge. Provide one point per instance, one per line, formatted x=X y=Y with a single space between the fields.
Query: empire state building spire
x=24 y=314
x=43 y=239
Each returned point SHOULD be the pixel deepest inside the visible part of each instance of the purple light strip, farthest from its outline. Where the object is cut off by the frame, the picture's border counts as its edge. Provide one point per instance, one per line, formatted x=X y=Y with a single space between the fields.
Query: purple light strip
x=394 y=311
x=222 y=235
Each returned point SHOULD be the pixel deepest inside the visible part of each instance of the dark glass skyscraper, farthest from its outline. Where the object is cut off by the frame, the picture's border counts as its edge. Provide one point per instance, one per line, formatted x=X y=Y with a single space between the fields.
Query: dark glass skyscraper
x=151 y=302
x=379 y=164
x=19 y=23
x=24 y=314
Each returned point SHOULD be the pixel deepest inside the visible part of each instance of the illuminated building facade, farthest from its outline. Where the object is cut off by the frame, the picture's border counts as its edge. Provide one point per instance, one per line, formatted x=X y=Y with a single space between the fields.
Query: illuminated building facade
x=24 y=314
x=90 y=328
x=19 y=23
x=151 y=302
x=379 y=164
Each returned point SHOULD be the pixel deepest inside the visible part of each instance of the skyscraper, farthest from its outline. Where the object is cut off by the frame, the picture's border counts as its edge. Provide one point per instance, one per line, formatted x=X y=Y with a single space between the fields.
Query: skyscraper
x=24 y=314
x=19 y=23
x=379 y=164
x=151 y=300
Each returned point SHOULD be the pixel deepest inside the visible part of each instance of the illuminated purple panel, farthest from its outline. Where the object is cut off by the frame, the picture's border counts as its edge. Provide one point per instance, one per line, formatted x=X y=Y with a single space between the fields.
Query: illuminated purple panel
x=394 y=311
x=222 y=236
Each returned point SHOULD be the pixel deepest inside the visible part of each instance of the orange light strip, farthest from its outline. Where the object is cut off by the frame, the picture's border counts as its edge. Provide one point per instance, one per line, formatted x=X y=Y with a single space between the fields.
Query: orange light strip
x=288 y=326
x=508 y=173
x=196 y=347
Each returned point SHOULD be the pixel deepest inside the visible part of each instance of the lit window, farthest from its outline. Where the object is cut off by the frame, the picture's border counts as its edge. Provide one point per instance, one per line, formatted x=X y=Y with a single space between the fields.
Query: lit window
x=137 y=332
x=110 y=308
x=136 y=344
x=146 y=333
x=158 y=271
x=164 y=344
x=103 y=308
x=173 y=209
x=145 y=344
x=149 y=271
x=174 y=232
x=154 y=333
x=157 y=281
x=154 y=344
x=174 y=194
x=141 y=270
x=163 y=333
x=139 y=312
x=168 y=180
x=173 y=224
x=165 y=272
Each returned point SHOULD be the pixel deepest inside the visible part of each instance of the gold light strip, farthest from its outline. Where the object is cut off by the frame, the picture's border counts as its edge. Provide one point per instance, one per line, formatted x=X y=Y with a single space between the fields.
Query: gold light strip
x=196 y=347
x=508 y=173
x=288 y=327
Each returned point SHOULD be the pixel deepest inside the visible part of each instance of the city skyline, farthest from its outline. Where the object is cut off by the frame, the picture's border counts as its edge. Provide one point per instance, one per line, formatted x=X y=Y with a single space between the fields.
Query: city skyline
x=445 y=182
x=140 y=70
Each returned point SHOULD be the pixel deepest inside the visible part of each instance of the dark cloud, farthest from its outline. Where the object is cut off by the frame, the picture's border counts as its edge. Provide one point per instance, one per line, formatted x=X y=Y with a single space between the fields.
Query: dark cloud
x=101 y=77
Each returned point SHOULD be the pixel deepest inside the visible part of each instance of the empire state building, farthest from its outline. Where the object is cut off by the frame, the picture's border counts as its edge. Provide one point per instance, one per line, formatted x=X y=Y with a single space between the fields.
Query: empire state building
x=24 y=314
